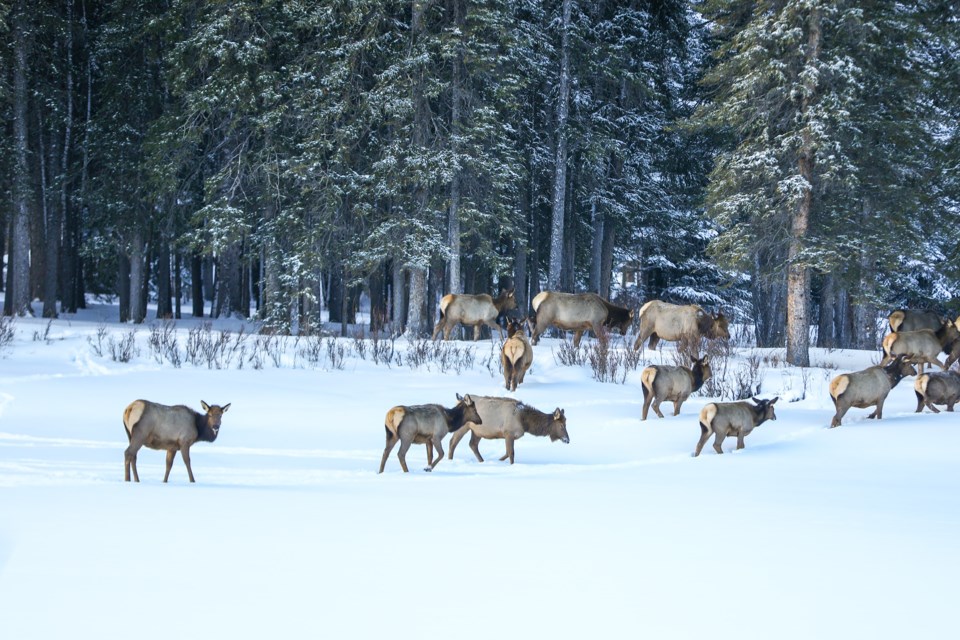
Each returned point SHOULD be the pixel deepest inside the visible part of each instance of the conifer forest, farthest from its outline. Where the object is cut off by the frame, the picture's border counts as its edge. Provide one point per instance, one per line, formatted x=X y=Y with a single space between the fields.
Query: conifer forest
x=795 y=163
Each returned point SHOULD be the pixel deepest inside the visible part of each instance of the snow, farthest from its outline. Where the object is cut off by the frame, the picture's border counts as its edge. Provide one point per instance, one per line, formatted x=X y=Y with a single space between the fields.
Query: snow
x=289 y=530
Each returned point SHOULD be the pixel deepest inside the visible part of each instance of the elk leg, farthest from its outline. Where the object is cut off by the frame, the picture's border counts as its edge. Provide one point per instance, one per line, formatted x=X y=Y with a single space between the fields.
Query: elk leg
x=130 y=461
x=476 y=332
x=718 y=442
x=391 y=441
x=704 y=434
x=475 y=446
x=577 y=334
x=170 y=454
x=185 y=454
x=402 y=454
x=493 y=325
x=656 y=407
x=647 y=399
x=436 y=329
x=935 y=410
x=509 y=453
x=676 y=405
x=740 y=441
x=455 y=439
x=878 y=412
x=438 y=443
x=430 y=454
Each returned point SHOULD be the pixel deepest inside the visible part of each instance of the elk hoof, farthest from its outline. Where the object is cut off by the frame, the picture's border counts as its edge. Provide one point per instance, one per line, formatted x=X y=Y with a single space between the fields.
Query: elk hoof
x=428 y=469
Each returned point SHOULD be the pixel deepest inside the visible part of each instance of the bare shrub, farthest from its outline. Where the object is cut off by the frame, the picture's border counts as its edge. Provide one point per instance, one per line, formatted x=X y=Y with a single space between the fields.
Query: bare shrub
x=126 y=349
x=163 y=344
x=609 y=363
x=43 y=336
x=8 y=332
x=568 y=355
x=336 y=353
x=97 y=342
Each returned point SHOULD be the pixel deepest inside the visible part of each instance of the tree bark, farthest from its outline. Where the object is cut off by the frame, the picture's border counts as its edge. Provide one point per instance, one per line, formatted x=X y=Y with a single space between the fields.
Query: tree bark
x=136 y=277
x=560 y=171
x=456 y=121
x=417 y=312
x=19 y=292
x=798 y=275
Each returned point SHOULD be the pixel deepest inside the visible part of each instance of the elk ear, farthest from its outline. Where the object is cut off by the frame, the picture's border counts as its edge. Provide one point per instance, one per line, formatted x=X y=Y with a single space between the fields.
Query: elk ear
x=226 y=406
x=467 y=400
x=705 y=361
x=459 y=397
x=631 y=314
x=205 y=406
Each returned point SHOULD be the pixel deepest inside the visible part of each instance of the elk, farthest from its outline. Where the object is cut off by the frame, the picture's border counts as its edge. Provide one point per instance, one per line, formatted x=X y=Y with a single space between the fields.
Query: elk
x=577 y=312
x=476 y=310
x=516 y=356
x=914 y=320
x=664 y=382
x=425 y=424
x=923 y=346
x=941 y=387
x=509 y=419
x=173 y=429
x=733 y=418
x=867 y=388
x=664 y=321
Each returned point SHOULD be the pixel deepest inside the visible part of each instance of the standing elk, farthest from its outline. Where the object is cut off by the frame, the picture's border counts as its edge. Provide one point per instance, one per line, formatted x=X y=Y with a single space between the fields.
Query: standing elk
x=476 y=310
x=425 y=424
x=158 y=426
x=867 y=388
x=577 y=312
x=516 y=356
x=733 y=418
x=509 y=419
x=914 y=320
x=941 y=387
x=664 y=382
x=923 y=346
x=664 y=321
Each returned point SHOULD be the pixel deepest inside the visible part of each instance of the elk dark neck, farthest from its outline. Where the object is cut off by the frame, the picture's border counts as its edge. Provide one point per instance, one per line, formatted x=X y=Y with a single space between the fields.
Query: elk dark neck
x=534 y=422
x=500 y=301
x=698 y=378
x=454 y=416
x=894 y=374
x=204 y=432
x=759 y=414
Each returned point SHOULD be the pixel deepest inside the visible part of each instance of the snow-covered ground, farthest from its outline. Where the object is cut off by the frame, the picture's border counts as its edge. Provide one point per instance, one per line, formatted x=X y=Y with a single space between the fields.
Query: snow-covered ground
x=289 y=531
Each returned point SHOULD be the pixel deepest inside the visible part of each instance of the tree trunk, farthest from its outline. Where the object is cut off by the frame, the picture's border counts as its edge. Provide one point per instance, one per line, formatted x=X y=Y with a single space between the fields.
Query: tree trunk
x=456 y=121
x=826 y=328
x=864 y=309
x=596 y=248
x=417 y=324
x=560 y=171
x=123 y=285
x=19 y=292
x=606 y=260
x=196 y=284
x=136 y=277
x=397 y=296
x=798 y=276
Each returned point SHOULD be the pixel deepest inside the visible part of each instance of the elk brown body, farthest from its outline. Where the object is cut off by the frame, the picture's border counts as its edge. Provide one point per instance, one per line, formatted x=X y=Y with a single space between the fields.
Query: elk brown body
x=425 y=424
x=941 y=387
x=664 y=321
x=162 y=427
x=923 y=346
x=733 y=418
x=867 y=388
x=577 y=312
x=477 y=310
x=664 y=382
x=914 y=320
x=509 y=419
x=516 y=356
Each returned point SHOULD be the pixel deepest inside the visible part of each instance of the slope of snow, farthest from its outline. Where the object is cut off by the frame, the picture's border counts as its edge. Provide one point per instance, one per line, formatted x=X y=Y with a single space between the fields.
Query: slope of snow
x=289 y=530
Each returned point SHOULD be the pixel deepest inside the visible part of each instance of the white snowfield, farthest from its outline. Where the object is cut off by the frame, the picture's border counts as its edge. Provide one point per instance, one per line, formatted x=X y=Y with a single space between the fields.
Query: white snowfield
x=289 y=532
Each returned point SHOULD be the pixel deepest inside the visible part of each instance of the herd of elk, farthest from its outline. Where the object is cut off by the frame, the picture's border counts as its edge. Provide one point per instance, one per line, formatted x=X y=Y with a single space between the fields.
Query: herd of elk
x=916 y=337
